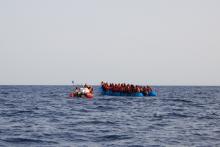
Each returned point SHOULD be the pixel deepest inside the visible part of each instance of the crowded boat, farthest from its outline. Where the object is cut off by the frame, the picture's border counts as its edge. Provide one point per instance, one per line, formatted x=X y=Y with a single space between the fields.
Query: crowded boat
x=122 y=89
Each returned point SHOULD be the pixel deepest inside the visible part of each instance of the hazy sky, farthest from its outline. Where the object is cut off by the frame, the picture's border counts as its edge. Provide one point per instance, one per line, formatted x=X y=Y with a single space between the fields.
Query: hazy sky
x=157 y=42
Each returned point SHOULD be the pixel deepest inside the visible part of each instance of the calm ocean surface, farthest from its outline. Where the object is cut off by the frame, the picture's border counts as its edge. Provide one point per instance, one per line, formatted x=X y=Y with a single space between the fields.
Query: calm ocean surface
x=45 y=116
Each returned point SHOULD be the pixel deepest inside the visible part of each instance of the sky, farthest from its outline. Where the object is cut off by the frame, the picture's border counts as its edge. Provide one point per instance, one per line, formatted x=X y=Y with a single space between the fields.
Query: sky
x=156 y=42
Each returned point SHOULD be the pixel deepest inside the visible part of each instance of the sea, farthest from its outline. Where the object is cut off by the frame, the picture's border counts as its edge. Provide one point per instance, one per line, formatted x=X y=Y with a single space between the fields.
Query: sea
x=44 y=116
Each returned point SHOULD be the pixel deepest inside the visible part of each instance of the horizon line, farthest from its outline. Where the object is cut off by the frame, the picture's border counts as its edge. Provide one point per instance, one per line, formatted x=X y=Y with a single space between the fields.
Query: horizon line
x=99 y=84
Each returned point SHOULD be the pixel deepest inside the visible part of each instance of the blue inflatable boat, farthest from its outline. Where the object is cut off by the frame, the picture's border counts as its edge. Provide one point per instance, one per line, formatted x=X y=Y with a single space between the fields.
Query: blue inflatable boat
x=137 y=94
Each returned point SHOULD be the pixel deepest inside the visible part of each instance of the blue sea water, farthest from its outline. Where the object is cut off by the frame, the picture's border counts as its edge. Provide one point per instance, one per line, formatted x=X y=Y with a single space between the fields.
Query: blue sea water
x=45 y=116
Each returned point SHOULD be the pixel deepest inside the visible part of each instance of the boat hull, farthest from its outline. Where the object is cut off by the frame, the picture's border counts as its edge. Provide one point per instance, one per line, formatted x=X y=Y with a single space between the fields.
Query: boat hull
x=137 y=94
x=87 y=95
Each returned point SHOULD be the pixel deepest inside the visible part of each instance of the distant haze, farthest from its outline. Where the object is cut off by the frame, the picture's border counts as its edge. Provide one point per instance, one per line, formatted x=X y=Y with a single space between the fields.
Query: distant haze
x=156 y=42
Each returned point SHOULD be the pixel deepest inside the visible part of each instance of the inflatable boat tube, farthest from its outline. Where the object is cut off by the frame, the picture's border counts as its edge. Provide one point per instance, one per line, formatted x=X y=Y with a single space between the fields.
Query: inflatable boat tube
x=138 y=94
x=152 y=93
x=89 y=95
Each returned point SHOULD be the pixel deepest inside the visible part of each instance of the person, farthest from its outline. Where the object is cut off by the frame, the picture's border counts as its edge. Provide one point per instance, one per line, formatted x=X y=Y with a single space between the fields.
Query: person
x=84 y=90
x=77 y=92
x=85 y=86
x=125 y=88
x=149 y=89
x=90 y=89
x=76 y=89
x=145 y=91
x=87 y=90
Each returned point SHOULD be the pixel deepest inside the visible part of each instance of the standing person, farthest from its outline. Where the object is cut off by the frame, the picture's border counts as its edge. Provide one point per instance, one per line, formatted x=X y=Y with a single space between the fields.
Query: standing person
x=145 y=91
x=149 y=89
x=77 y=92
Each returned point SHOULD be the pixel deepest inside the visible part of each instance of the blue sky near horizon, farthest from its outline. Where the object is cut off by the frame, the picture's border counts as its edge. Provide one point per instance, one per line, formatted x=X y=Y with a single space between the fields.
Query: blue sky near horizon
x=143 y=42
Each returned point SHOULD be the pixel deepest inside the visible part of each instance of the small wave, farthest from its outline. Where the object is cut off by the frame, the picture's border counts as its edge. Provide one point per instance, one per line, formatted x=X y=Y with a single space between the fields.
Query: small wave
x=178 y=115
x=139 y=146
x=104 y=108
x=9 y=105
x=178 y=109
x=94 y=122
x=158 y=116
x=179 y=100
x=112 y=138
x=24 y=111
x=101 y=122
x=5 y=93
x=18 y=113
x=207 y=117
x=161 y=124
x=28 y=140
x=171 y=114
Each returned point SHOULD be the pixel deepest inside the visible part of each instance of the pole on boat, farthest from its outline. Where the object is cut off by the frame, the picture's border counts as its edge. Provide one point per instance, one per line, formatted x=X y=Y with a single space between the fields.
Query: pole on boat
x=73 y=84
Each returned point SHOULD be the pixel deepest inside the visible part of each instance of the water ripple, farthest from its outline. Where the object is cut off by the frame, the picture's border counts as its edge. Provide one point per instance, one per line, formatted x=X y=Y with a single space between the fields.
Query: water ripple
x=45 y=116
